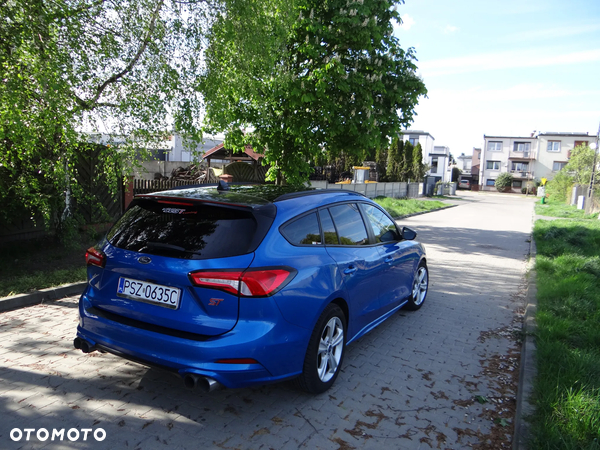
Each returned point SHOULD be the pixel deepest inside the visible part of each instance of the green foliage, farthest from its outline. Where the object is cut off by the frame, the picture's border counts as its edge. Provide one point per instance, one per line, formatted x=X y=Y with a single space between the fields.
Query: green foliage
x=308 y=76
x=559 y=187
x=556 y=208
x=456 y=174
x=504 y=181
x=403 y=207
x=577 y=171
x=71 y=66
x=408 y=173
x=419 y=169
x=567 y=387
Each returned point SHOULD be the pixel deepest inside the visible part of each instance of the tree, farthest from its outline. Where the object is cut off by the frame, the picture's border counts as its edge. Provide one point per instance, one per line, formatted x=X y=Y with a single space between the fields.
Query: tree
x=71 y=65
x=419 y=169
x=305 y=76
x=580 y=165
x=456 y=174
x=504 y=181
x=577 y=171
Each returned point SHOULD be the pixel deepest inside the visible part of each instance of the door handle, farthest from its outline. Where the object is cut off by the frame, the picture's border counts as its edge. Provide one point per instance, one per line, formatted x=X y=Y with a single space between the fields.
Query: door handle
x=389 y=259
x=350 y=270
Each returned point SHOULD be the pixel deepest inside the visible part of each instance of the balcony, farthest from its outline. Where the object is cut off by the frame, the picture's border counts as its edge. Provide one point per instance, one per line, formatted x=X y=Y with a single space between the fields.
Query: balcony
x=522 y=174
x=527 y=155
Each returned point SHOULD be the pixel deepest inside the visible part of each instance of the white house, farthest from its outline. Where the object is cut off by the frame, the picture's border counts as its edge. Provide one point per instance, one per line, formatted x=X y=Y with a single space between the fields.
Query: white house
x=537 y=156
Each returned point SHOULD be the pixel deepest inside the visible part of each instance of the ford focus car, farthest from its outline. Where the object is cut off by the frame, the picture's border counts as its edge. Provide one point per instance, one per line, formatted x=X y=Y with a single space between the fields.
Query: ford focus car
x=229 y=289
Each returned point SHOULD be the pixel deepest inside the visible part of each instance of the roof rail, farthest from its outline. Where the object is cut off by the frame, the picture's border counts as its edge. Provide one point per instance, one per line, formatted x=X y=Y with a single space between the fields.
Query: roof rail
x=316 y=192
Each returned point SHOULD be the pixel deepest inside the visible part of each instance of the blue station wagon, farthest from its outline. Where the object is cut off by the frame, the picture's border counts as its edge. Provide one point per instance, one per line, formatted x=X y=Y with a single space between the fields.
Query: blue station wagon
x=229 y=289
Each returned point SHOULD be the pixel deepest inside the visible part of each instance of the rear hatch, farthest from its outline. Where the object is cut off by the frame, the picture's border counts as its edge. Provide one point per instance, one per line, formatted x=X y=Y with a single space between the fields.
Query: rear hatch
x=159 y=241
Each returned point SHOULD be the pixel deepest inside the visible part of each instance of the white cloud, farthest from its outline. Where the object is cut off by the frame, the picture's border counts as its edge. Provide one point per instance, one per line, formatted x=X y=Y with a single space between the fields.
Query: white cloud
x=505 y=60
x=450 y=29
x=407 y=22
x=550 y=33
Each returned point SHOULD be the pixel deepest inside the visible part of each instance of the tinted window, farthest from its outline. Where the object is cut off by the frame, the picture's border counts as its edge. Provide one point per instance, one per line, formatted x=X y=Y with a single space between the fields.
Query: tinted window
x=190 y=231
x=349 y=224
x=381 y=224
x=329 y=232
x=303 y=231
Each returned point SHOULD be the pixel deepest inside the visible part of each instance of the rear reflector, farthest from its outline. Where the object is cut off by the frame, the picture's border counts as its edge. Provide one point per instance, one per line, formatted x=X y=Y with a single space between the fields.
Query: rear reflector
x=237 y=361
x=250 y=283
x=95 y=257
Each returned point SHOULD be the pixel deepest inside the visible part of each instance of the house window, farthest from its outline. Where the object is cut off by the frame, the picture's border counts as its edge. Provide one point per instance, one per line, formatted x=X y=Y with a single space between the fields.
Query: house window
x=517 y=183
x=492 y=165
x=467 y=165
x=558 y=166
x=520 y=167
x=554 y=146
x=495 y=146
x=434 y=164
x=522 y=146
x=578 y=143
x=413 y=141
x=490 y=182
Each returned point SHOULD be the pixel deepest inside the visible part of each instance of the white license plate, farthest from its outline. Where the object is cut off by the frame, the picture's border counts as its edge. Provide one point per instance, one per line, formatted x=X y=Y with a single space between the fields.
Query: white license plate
x=149 y=292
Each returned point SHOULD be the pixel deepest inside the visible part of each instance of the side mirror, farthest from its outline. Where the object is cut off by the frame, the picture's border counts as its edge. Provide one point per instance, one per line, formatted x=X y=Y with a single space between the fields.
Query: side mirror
x=408 y=234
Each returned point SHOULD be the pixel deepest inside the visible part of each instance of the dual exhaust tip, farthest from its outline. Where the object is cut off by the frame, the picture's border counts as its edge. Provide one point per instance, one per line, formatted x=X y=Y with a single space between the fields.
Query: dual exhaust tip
x=191 y=381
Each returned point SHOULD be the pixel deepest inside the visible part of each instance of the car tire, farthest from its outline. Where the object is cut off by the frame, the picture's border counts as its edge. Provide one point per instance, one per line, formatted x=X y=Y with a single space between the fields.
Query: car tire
x=420 y=287
x=325 y=352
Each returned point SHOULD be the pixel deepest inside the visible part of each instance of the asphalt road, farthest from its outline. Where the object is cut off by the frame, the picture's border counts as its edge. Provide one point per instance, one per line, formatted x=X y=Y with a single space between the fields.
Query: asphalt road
x=442 y=377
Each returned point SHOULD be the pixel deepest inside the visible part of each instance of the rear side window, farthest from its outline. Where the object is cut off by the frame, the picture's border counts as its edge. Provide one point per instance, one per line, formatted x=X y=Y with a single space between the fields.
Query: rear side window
x=196 y=231
x=303 y=231
x=349 y=224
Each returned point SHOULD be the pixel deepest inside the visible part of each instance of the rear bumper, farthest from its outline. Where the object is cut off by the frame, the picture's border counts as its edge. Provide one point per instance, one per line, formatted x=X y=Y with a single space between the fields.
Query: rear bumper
x=277 y=346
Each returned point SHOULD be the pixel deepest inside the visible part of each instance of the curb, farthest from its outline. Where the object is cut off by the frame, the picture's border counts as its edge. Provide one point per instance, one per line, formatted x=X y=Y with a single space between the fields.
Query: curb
x=528 y=368
x=41 y=296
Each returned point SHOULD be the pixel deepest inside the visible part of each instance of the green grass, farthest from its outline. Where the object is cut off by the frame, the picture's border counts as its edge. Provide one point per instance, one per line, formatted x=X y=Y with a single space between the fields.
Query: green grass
x=554 y=208
x=32 y=265
x=402 y=207
x=567 y=388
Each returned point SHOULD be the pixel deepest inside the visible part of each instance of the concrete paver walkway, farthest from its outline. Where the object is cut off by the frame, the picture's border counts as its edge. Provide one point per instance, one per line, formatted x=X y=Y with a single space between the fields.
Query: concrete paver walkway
x=412 y=383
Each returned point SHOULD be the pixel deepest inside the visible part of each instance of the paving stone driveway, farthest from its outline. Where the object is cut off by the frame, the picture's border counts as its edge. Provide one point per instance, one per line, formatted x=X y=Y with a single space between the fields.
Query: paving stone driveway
x=412 y=383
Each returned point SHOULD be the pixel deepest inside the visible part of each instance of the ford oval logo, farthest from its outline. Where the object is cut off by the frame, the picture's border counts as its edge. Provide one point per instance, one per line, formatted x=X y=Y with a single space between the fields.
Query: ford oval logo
x=144 y=260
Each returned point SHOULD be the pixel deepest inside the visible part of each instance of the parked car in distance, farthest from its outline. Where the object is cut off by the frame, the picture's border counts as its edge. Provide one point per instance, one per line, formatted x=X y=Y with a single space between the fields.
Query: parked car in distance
x=229 y=289
x=464 y=184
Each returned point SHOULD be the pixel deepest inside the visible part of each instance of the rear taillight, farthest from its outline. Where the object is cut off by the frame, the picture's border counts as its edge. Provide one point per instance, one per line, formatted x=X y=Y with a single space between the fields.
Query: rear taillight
x=250 y=283
x=95 y=257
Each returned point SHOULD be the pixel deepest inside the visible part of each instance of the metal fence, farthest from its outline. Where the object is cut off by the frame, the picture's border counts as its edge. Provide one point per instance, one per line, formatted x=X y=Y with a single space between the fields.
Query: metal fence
x=371 y=190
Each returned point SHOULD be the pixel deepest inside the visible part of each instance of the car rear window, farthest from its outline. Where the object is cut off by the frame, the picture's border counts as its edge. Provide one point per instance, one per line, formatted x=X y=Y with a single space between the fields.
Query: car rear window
x=190 y=231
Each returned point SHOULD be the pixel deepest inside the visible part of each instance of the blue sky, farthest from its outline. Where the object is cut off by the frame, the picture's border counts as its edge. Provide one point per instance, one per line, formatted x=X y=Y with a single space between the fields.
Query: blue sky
x=504 y=67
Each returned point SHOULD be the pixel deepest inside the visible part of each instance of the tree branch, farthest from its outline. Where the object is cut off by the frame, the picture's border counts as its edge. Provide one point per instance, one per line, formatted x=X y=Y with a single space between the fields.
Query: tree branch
x=92 y=103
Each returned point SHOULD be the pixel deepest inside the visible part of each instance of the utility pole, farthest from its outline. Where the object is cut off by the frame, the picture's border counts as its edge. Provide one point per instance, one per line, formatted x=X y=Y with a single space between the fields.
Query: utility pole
x=591 y=189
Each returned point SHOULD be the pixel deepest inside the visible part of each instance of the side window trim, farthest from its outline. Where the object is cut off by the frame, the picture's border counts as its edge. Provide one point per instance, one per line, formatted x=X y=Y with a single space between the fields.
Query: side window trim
x=326 y=209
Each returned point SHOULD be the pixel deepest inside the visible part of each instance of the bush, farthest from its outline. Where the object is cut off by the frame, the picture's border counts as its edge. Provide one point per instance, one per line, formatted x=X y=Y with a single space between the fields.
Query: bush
x=504 y=182
x=529 y=186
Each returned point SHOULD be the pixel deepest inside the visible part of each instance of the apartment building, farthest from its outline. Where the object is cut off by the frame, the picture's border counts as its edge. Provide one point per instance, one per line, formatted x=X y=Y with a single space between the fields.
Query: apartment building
x=537 y=156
